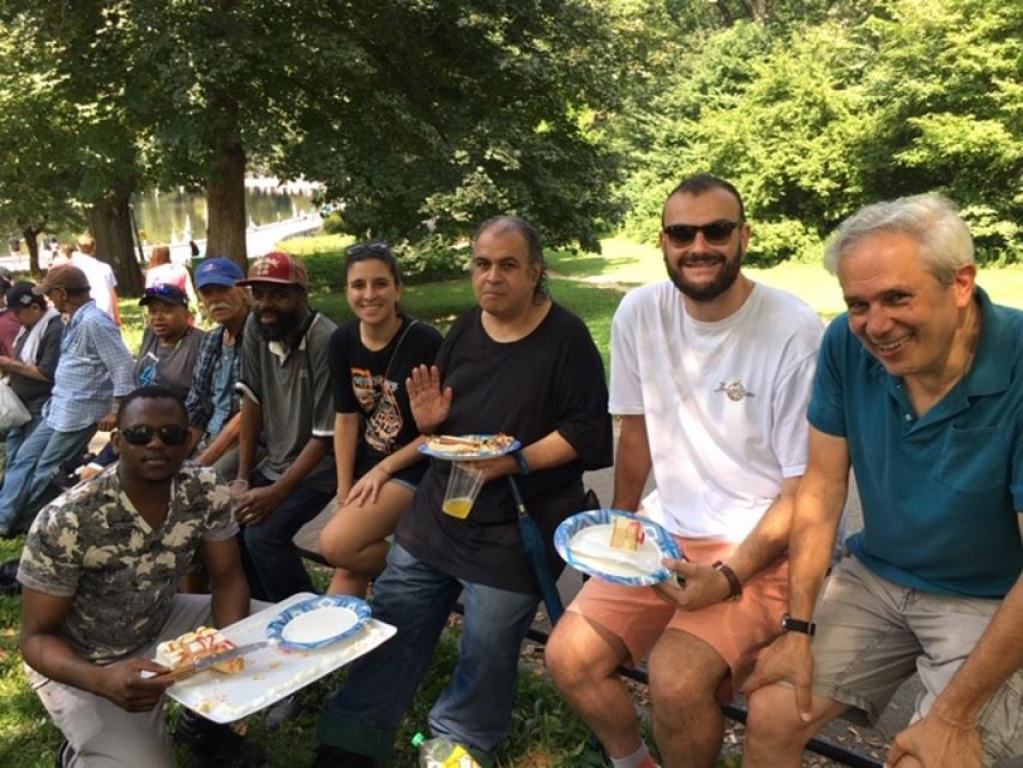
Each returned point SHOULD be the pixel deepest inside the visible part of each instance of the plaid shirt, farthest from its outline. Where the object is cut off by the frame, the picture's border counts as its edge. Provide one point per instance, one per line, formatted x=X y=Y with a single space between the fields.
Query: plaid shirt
x=95 y=367
x=201 y=397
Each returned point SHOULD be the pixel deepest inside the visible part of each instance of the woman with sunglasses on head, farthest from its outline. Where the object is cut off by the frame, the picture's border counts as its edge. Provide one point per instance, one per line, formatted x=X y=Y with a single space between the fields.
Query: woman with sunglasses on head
x=375 y=438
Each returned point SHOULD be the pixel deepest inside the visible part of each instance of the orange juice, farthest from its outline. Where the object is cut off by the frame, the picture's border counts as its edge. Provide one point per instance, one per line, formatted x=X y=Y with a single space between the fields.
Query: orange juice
x=458 y=507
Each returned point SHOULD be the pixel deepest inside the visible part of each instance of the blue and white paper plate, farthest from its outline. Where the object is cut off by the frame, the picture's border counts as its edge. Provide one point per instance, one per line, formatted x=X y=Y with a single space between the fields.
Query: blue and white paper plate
x=319 y=622
x=584 y=542
x=476 y=456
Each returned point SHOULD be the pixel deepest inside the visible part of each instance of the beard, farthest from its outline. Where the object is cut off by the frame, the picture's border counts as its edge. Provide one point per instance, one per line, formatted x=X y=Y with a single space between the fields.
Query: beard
x=707 y=291
x=286 y=325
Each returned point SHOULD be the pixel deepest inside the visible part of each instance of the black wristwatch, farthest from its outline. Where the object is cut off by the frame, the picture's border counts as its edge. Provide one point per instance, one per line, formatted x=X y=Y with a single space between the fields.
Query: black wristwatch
x=788 y=624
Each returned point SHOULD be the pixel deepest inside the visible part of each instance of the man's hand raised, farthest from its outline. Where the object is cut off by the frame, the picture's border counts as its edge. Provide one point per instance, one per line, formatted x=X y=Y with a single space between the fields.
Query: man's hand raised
x=430 y=404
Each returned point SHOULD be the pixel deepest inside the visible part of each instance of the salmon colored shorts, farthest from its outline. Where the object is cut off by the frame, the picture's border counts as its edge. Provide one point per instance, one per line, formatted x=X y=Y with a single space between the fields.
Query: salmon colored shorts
x=736 y=630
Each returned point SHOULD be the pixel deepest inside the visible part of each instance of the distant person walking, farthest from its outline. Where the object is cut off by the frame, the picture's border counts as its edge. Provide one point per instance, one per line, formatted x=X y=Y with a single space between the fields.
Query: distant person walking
x=102 y=283
x=163 y=270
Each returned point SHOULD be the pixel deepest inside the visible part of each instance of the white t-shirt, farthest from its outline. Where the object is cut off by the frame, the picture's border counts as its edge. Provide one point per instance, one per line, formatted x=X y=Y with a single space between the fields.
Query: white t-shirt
x=724 y=403
x=101 y=280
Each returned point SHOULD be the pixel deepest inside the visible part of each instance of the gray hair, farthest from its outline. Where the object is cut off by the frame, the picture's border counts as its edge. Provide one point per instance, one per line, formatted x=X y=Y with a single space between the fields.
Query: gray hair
x=534 y=246
x=931 y=220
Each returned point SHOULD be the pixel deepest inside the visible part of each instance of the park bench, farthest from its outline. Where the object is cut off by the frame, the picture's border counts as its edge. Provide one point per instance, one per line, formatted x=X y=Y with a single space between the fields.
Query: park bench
x=308 y=542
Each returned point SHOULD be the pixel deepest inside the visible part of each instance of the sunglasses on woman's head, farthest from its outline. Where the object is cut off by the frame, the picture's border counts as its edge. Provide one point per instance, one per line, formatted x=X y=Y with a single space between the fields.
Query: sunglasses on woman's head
x=143 y=434
x=716 y=233
x=365 y=249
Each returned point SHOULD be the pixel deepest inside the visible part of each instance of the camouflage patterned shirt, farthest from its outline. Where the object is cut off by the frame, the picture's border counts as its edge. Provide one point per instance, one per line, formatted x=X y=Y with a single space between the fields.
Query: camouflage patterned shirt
x=91 y=544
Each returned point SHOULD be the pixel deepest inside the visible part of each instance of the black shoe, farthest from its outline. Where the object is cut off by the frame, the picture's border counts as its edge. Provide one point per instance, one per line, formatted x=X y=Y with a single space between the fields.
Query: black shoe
x=334 y=757
x=289 y=708
x=64 y=755
x=215 y=745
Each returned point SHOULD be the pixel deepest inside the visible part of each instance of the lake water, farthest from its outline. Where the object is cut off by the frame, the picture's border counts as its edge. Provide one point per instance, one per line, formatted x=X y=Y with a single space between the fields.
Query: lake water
x=177 y=217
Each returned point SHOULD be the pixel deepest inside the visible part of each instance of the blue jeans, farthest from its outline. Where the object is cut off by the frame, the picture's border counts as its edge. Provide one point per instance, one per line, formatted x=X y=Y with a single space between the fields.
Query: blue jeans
x=27 y=479
x=18 y=435
x=270 y=557
x=476 y=707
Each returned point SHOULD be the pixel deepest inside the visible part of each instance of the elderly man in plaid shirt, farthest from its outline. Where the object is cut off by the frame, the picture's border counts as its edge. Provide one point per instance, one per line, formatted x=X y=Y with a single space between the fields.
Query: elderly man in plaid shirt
x=214 y=404
x=95 y=369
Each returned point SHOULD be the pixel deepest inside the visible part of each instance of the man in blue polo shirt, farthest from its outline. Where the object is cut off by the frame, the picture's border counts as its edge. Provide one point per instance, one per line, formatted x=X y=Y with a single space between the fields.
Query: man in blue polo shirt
x=920 y=388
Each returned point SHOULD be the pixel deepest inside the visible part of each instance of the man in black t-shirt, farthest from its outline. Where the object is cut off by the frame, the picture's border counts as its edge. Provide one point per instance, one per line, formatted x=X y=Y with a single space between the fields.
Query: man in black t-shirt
x=519 y=364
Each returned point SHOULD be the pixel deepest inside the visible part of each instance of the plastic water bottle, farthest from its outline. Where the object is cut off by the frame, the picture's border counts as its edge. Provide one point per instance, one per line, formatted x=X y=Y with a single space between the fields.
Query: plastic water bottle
x=442 y=753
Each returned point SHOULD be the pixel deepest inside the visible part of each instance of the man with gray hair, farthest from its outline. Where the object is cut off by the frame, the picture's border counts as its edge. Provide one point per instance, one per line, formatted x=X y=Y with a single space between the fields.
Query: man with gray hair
x=919 y=388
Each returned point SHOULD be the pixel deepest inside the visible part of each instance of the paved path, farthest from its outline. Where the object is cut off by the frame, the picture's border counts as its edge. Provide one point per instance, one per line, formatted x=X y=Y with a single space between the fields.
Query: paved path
x=259 y=240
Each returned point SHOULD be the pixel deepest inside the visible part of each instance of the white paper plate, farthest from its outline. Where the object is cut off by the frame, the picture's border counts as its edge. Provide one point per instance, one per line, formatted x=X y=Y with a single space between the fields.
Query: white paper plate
x=270 y=673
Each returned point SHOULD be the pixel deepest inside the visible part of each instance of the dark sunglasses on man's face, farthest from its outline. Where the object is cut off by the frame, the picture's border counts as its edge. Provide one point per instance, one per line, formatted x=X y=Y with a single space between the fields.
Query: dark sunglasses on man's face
x=716 y=233
x=143 y=434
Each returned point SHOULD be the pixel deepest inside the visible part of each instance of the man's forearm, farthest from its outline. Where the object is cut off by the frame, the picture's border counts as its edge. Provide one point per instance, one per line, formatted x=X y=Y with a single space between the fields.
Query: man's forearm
x=769 y=540
x=315 y=449
x=998 y=655
x=632 y=464
x=52 y=656
x=248 y=436
x=223 y=441
x=230 y=600
x=818 y=509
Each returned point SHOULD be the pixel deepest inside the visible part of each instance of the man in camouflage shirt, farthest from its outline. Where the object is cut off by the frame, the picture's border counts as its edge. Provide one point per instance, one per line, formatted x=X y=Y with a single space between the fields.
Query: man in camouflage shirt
x=100 y=571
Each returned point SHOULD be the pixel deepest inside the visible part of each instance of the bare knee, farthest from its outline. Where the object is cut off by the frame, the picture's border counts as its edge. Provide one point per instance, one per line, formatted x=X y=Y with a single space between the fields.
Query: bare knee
x=773 y=720
x=684 y=677
x=576 y=656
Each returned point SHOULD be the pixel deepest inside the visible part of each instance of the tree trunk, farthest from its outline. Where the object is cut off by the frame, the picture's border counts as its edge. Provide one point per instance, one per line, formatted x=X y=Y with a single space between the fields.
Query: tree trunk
x=31 y=237
x=110 y=222
x=225 y=203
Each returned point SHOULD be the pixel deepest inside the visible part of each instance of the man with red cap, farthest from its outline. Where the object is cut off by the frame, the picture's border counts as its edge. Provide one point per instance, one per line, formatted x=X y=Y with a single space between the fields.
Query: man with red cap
x=287 y=401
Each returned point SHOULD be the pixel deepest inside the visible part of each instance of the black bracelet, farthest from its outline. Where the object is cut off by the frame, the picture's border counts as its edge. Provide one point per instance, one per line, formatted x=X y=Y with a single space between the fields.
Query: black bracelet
x=520 y=459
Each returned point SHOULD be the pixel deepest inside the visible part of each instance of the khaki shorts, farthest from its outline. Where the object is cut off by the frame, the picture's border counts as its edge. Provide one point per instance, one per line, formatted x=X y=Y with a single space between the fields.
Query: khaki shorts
x=873 y=634
x=736 y=630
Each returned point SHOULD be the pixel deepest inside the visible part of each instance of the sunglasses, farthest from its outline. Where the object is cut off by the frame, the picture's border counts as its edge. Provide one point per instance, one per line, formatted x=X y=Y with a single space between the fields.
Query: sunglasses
x=716 y=233
x=143 y=434
x=366 y=249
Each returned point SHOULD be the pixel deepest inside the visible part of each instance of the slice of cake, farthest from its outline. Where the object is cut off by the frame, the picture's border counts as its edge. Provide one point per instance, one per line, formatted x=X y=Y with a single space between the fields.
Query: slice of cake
x=194 y=646
x=627 y=534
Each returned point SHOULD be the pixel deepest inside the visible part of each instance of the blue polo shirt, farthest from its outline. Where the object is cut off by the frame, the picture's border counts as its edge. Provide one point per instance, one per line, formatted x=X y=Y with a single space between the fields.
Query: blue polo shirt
x=941 y=493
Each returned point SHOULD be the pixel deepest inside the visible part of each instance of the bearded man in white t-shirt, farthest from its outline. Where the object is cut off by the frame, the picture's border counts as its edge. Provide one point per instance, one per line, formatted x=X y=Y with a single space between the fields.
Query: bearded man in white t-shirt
x=711 y=375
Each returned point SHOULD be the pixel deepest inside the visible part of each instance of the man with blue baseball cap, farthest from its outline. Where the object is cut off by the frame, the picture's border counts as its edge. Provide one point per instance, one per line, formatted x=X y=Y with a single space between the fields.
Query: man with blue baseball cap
x=213 y=404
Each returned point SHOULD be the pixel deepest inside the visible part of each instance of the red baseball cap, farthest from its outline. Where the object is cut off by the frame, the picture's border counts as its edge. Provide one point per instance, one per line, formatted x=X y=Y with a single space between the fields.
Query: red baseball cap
x=277 y=267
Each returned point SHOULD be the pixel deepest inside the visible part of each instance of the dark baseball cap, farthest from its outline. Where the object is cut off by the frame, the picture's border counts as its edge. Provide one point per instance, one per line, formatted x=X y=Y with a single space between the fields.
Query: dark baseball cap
x=164 y=292
x=24 y=294
x=218 y=271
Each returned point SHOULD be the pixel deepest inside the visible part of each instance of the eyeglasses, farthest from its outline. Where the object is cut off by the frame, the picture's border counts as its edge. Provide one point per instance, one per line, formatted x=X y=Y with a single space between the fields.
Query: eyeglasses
x=716 y=233
x=143 y=434
x=365 y=249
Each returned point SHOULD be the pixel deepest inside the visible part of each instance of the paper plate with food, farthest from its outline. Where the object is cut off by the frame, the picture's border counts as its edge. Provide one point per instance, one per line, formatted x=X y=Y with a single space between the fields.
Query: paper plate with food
x=265 y=657
x=469 y=447
x=616 y=546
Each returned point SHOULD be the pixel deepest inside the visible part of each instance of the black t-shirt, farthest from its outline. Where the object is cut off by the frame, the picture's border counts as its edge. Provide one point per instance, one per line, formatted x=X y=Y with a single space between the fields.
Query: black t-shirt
x=372 y=384
x=551 y=379
x=33 y=392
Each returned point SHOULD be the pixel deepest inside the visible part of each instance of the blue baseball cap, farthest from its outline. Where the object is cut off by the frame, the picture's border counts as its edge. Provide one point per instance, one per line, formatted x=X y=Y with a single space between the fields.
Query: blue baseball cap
x=164 y=292
x=218 y=271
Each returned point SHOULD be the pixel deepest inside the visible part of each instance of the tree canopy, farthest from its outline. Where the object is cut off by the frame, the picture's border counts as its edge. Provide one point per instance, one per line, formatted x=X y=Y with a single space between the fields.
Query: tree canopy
x=424 y=117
